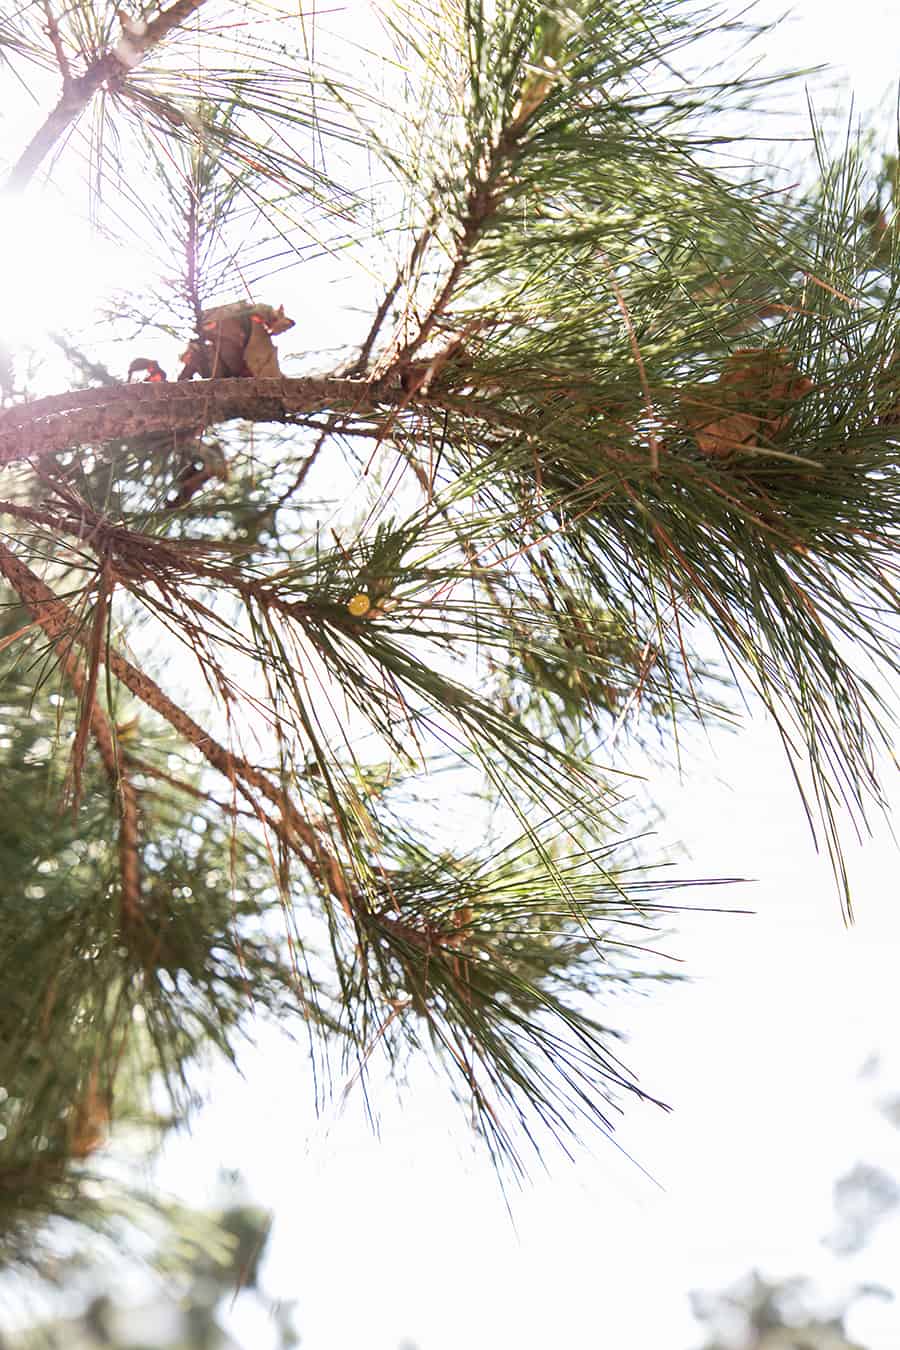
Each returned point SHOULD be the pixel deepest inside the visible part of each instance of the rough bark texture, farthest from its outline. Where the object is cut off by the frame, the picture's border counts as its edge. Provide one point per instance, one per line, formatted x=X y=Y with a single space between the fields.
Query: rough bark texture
x=94 y=416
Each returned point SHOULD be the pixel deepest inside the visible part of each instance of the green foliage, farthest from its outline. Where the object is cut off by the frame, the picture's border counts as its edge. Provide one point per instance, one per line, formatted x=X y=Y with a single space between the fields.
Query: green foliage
x=621 y=406
x=95 y=1000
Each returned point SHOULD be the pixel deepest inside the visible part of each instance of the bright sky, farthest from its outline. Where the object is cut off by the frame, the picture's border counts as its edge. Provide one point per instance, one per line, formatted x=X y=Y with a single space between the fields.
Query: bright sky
x=406 y=1237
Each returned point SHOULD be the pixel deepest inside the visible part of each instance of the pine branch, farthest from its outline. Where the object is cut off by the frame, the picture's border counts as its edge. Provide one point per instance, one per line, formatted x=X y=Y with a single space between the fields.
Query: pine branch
x=57 y=622
x=581 y=274
x=77 y=93
x=358 y=366
x=92 y=416
x=33 y=595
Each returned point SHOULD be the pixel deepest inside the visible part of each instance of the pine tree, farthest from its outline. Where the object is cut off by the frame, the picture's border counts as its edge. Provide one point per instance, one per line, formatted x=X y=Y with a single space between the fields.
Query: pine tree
x=613 y=403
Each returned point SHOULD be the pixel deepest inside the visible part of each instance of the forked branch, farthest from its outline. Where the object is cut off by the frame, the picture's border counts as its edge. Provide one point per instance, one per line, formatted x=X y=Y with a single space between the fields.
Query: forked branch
x=136 y=41
x=33 y=594
x=55 y=618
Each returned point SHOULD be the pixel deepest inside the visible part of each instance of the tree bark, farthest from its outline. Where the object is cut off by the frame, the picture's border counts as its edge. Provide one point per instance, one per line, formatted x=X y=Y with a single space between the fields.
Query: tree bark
x=92 y=416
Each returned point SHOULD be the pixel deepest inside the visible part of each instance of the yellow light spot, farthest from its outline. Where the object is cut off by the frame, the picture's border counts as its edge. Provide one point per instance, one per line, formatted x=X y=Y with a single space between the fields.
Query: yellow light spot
x=359 y=605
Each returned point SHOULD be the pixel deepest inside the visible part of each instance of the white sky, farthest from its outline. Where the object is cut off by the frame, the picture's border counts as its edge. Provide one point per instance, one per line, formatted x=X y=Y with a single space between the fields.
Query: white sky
x=406 y=1237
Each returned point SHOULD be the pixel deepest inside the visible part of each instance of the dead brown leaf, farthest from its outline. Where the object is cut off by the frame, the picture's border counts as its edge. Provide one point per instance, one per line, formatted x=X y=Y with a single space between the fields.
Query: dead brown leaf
x=748 y=405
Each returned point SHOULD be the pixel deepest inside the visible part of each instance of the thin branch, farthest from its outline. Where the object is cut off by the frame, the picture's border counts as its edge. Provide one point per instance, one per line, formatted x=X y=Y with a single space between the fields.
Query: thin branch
x=639 y=362
x=481 y=205
x=191 y=249
x=33 y=594
x=89 y=695
x=129 y=51
x=61 y=59
x=55 y=618
x=365 y=351
x=330 y=427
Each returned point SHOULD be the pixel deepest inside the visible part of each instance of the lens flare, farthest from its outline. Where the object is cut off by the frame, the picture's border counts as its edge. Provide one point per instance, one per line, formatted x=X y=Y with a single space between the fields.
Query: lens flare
x=53 y=269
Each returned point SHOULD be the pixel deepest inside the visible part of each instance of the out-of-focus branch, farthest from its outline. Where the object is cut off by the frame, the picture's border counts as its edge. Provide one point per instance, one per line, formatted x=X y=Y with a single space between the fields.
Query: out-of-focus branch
x=94 y=370
x=61 y=59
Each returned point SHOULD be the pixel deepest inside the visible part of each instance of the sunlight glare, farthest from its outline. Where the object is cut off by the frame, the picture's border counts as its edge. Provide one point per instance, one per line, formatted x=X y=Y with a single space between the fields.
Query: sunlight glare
x=55 y=270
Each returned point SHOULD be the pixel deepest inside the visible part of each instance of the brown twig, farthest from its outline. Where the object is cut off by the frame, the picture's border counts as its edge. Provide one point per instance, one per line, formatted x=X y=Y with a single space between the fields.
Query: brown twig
x=34 y=595
x=89 y=695
x=331 y=426
x=191 y=248
x=77 y=93
x=336 y=423
x=419 y=380
x=639 y=362
x=481 y=205
x=54 y=616
x=61 y=59
x=365 y=351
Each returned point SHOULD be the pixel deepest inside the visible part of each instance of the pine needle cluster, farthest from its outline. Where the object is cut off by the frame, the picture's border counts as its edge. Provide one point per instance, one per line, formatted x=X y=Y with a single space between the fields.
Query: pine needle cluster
x=614 y=406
